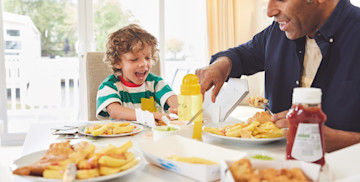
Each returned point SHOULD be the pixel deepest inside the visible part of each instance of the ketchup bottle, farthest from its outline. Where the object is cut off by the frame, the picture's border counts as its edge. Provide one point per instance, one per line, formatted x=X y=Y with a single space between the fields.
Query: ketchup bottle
x=305 y=141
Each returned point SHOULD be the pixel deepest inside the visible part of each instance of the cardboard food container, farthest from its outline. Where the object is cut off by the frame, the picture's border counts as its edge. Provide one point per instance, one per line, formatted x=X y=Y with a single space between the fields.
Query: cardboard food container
x=311 y=170
x=156 y=153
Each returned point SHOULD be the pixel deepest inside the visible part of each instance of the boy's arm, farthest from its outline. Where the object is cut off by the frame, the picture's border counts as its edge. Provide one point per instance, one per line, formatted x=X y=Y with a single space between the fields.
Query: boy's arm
x=172 y=101
x=119 y=112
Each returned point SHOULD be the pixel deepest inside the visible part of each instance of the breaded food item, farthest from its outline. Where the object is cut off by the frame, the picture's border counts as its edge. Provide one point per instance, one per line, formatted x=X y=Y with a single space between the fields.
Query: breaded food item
x=256 y=101
x=57 y=152
x=242 y=171
x=262 y=117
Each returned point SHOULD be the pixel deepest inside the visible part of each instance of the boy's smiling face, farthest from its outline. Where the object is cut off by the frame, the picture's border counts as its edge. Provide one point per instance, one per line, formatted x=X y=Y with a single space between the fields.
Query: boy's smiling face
x=135 y=67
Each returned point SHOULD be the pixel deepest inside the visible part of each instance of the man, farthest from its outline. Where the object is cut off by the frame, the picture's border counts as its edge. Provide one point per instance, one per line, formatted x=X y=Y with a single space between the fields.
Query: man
x=311 y=43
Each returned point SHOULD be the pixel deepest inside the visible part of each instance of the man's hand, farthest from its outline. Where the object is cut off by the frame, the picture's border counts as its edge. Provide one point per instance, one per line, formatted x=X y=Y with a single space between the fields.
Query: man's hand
x=214 y=75
x=280 y=119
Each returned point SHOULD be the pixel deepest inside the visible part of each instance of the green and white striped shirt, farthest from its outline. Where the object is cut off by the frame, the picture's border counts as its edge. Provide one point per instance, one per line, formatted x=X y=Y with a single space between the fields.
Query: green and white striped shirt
x=113 y=90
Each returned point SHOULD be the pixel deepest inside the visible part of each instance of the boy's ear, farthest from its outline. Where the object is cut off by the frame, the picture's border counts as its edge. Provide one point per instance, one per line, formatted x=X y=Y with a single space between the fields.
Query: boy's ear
x=118 y=65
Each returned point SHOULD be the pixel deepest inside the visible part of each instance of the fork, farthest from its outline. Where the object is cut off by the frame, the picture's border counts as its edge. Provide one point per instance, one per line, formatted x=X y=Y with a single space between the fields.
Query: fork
x=266 y=106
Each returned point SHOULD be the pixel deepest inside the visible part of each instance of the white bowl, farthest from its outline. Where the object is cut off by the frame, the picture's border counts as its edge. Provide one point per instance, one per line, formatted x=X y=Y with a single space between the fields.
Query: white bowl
x=164 y=131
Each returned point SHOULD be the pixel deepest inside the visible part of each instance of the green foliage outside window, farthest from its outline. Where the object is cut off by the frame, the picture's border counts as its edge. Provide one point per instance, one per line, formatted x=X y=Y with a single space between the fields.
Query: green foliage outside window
x=57 y=22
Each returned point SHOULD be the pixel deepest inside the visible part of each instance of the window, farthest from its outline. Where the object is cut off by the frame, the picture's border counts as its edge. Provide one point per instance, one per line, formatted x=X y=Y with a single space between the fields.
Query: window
x=185 y=38
x=50 y=36
x=355 y=2
x=14 y=33
x=12 y=45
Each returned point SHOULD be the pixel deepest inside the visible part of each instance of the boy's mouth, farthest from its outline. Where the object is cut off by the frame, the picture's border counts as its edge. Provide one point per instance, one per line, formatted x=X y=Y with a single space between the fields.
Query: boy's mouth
x=141 y=74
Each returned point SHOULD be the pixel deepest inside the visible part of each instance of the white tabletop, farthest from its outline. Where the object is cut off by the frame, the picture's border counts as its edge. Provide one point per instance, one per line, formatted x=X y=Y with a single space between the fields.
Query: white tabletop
x=40 y=137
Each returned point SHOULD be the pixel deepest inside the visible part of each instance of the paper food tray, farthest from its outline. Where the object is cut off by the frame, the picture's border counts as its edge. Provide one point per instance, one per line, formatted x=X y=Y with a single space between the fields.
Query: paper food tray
x=229 y=97
x=157 y=151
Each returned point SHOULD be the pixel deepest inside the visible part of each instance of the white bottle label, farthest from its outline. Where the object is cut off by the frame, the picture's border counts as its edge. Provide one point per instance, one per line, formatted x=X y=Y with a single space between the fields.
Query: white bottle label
x=307 y=144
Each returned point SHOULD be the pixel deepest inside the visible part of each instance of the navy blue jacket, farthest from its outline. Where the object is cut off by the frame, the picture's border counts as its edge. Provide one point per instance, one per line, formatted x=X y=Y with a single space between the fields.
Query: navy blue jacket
x=282 y=60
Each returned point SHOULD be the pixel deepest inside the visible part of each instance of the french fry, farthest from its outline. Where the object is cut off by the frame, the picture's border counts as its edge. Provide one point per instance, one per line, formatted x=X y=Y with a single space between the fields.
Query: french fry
x=84 y=164
x=238 y=130
x=87 y=173
x=99 y=131
x=118 y=124
x=124 y=147
x=272 y=134
x=53 y=174
x=130 y=164
x=104 y=170
x=108 y=149
x=125 y=129
x=216 y=131
x=111 y=162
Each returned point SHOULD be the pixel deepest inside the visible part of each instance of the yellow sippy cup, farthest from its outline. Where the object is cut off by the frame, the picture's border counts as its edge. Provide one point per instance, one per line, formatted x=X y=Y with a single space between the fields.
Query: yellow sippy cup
x=190 y=102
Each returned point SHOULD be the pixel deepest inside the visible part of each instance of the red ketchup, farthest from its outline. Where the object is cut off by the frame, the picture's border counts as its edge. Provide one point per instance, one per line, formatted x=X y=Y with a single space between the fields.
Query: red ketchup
x=305 y=141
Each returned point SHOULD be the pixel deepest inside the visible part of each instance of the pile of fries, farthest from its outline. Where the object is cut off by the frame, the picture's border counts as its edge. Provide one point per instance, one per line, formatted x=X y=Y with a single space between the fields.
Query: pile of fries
x=109 y=160
x=109 y=129
x=253 y=129
x=192 y=160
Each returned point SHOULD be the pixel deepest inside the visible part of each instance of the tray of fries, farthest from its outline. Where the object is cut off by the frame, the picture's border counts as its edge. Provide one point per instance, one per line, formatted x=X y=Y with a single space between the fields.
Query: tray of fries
x=244 y=132
x=110 y=129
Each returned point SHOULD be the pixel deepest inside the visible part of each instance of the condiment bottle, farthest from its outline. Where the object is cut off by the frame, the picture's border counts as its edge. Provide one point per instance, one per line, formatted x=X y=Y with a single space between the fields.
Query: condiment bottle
x=305 y=141
x=190 y=102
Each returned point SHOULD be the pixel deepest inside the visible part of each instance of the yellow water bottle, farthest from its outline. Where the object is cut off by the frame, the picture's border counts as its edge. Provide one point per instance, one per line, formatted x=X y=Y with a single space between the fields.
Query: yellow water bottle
x=190 y=102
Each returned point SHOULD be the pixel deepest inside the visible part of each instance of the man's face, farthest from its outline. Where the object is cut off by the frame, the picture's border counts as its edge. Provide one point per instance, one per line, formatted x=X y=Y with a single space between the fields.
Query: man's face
x=296 y=18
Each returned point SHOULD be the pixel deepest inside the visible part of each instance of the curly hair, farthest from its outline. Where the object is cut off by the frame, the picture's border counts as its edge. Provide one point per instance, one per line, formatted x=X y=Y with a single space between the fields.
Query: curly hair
x=131 y=38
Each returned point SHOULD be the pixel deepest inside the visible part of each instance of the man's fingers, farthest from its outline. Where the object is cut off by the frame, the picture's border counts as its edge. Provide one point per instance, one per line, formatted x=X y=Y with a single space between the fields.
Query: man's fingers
x=278 y=116
x=216 y=91
x=282 y=123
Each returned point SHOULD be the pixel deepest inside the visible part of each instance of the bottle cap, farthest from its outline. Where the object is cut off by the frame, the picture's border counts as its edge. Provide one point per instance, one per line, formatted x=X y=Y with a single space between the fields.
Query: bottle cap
x=190 y=85
x=307 y=95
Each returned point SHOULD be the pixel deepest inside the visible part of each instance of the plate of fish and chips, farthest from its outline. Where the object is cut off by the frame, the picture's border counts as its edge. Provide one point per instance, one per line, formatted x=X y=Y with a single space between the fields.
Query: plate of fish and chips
x=92 y=163
x=257 y=130
x=110 y=129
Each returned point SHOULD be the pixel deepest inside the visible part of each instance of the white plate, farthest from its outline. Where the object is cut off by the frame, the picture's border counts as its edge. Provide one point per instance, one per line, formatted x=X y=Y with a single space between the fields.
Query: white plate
x=138 y=129
x=238 y=139
x=33 y=157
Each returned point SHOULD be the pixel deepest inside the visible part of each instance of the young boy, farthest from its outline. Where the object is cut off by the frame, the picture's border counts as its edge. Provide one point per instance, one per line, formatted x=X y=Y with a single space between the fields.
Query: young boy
x=130 y=52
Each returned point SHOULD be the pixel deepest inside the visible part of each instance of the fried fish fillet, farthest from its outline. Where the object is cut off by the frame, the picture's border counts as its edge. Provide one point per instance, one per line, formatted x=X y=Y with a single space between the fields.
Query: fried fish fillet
x=262 y=117
x=57 y=152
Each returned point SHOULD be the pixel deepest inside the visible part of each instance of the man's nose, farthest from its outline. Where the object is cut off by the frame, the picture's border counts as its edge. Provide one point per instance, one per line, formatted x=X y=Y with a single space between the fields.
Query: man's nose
x=272 y=9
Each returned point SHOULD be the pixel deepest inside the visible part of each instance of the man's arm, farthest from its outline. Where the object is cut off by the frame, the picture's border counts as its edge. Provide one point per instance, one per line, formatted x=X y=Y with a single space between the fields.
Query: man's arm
x=214 y=75
x=338 y=139
x=334 y=139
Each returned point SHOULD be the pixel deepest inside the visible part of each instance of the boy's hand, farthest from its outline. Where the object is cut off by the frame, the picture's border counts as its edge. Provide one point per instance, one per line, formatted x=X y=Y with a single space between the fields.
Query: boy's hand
x=174 y=111
x=158 y=120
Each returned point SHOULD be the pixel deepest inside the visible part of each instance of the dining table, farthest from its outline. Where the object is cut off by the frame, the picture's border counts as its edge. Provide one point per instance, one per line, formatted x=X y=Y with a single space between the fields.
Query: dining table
x=40 y=137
